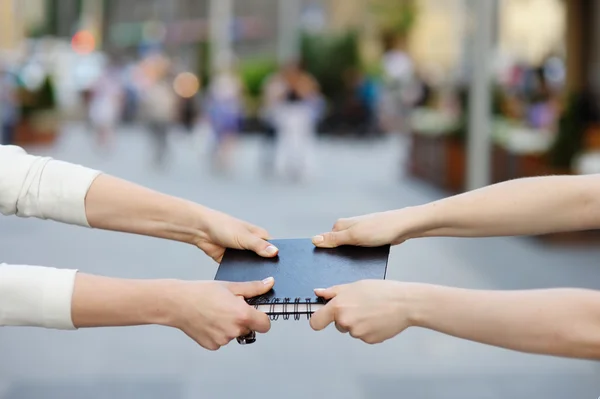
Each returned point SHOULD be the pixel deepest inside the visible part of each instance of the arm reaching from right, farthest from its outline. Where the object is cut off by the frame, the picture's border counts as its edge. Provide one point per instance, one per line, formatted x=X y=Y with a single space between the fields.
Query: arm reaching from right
x=557 y=322
x=211 y=313
x=528 y=206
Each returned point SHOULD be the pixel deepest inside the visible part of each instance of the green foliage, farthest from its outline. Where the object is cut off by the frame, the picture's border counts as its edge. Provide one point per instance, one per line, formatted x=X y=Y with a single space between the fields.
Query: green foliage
x=204 y=62
x=46 y=95
x=328 y=57
x=43 y=99
x=52 y=11
x=463 y=127
x=570 y=135
x=254 y=72
x=396 y=17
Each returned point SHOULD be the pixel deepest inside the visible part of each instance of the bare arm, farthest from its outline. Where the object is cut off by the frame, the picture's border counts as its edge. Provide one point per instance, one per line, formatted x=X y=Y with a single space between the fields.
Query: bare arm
x=115 y=204
x=103 y=302
x=559 y=322
x=211 y=313
x=44 y=188
x=40 y=187
x=529 y=206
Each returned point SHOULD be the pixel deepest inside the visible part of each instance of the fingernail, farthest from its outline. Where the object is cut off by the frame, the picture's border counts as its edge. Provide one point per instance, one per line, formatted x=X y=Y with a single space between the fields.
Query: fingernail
x=318 y=239
x=268 y=280
x=320 y=289
x=271 y=250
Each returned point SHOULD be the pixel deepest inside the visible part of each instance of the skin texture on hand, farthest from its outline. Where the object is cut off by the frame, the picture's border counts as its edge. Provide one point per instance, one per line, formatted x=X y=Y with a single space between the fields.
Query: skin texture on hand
x=370 y=310
x=558 y=322
x=376 y=229
x=527 y=206
x=209 y=312
x=118 y=205
x=224 y=231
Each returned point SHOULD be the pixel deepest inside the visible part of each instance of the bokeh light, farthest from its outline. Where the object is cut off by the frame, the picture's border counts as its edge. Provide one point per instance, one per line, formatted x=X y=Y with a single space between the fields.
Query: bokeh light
x=186 y=84
x=83 y=42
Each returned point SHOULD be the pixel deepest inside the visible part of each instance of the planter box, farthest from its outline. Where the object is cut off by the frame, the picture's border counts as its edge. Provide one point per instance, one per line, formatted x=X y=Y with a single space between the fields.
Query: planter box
x=40 y=129
x=508 y=166
x=439 y=160
x=27 y=135
x=576 y=238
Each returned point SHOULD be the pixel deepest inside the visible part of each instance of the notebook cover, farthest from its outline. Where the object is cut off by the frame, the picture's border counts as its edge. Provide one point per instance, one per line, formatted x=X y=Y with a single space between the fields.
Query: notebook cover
x=300 y=267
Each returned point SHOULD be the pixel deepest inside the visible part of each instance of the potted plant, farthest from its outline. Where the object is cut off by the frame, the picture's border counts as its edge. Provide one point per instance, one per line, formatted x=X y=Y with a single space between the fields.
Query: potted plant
x=39 y=115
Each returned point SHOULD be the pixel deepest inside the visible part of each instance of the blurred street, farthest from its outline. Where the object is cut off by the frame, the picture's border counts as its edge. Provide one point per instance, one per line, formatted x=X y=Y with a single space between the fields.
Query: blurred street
x=292 y=361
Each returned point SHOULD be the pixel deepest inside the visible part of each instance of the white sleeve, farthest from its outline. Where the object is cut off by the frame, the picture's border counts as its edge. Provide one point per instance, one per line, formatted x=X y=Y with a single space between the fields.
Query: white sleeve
x=36 y=296
x=40 y=187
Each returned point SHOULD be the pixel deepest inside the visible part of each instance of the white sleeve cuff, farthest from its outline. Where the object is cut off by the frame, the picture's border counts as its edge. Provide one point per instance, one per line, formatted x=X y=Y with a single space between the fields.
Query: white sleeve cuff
x=63 y=188
x=36 y=296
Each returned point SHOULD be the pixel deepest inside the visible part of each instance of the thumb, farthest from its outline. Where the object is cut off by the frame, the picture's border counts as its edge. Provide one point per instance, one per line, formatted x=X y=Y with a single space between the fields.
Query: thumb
x=259 y=245
x=327 y=293
x=251 y=289
x=332 y=239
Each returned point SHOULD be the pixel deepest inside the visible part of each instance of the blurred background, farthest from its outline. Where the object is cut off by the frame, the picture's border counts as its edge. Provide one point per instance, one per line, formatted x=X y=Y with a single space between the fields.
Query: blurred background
x=291 y=114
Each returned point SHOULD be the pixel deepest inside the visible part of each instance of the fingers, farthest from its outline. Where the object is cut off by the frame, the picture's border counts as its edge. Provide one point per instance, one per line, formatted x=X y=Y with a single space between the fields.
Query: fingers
x=259 y=232
x=252 y=288
x=342 y=224
x=258 y=321
x=327 y=293
x=332 y=239
x=322 y=317
x=341 y=329
x=259 y=245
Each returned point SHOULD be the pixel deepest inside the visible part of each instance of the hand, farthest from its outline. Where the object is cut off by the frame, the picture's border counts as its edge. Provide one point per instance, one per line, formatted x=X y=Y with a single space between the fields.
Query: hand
x=223 y=231
x=372 y=230
x=370 y=310
x=214 y=313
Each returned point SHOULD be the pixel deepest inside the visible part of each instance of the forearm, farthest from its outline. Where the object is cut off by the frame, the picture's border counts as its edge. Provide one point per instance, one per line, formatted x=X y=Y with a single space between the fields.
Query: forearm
x=36 y=296
x=530 y=206
x=118 y=205
x=559 y=322
x=41 y=187
x=111 y=302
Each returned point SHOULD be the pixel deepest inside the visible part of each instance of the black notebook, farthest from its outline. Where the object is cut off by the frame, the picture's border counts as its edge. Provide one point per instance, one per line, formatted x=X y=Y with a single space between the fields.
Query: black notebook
x=298 y=269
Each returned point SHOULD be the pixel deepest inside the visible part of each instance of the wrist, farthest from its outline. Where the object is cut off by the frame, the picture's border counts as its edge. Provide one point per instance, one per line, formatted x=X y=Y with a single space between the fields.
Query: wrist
x=161 y=305
x=199 y=223
x=417 y=300
x=417 y=221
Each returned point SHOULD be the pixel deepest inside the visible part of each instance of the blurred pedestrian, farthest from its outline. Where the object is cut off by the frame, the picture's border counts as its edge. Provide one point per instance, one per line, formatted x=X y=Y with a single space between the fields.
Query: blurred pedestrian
x=159 y=108
x=295 y=118
x=223 y=108
x=9 y=105
x=106 y=106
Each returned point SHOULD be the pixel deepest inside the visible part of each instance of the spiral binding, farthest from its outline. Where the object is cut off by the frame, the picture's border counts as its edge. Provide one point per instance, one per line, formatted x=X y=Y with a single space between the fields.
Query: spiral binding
x=290 y=307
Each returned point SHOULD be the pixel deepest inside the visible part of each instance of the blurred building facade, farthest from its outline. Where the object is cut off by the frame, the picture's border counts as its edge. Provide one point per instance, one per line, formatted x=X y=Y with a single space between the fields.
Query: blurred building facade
x=10 y=32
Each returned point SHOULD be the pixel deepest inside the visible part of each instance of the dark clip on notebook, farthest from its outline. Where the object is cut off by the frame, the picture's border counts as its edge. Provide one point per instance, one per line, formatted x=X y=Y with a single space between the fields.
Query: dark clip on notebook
x=298 y=269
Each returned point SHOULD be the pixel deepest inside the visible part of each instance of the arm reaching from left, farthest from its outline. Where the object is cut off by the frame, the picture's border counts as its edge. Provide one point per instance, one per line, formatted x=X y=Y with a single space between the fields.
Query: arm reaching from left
x=33 y=186
x=212 y=313
x=558 y=322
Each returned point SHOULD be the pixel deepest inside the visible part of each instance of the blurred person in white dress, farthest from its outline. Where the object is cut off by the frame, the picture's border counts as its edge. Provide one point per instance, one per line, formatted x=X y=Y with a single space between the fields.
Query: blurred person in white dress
x=106 y=106
x=295 y=120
